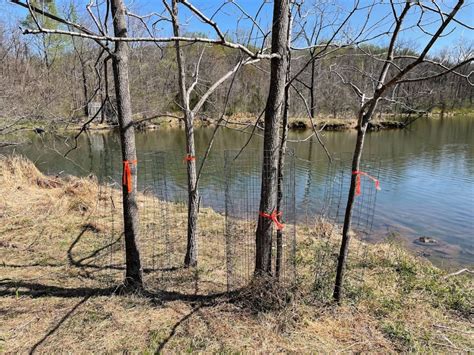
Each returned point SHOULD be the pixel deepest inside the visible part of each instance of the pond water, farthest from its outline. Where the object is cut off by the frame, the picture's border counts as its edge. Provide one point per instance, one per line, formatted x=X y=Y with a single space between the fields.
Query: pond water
x=426 y=174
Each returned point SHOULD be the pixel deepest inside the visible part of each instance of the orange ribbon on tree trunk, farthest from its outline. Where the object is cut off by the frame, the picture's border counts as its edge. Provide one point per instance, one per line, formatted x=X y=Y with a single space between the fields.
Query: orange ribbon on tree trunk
x=274 y=217
x=127 y=174
x=189 y=157
x=358 y=174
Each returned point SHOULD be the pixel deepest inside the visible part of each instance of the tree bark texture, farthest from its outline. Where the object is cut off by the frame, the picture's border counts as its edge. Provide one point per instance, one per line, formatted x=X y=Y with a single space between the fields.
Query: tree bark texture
x=282 y=154
x=133 y=276
x=191 y=257
x=273 y=116
x=312 y=85
x=346 y=236
x=281 y=166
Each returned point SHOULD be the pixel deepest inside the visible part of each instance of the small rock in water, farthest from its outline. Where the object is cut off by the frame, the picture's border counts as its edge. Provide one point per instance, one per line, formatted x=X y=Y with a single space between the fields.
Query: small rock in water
x=427 y=240
x=424 y=254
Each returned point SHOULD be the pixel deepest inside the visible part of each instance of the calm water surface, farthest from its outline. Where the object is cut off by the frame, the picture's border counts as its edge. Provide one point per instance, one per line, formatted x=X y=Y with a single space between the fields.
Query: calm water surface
x=426 y=174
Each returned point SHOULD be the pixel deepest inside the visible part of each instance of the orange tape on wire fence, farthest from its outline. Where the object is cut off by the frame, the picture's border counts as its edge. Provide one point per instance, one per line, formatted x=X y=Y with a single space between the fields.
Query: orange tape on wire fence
x=358 y=175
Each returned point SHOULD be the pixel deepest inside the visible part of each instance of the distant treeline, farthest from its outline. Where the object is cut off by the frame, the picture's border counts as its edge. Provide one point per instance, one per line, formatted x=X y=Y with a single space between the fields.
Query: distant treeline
x=55 y=77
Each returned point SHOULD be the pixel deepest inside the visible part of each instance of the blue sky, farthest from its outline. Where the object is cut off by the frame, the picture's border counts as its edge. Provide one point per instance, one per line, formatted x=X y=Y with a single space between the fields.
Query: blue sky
x=230 y=18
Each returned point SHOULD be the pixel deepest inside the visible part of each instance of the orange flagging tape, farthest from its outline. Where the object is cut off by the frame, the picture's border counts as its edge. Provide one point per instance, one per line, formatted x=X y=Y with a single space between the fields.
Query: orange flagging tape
x=127 y=174
x=359 y=173
x=189 y=158
x=274 y=217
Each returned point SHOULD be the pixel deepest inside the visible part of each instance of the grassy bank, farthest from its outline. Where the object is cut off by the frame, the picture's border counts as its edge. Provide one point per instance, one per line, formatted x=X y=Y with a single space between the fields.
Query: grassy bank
x=59 y=292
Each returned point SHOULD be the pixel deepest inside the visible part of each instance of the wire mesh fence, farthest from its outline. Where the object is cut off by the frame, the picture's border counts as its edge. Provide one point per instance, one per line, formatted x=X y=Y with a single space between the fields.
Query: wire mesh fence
x=337 y=184
x=228 y=215
x=162 y=203
x=331 y=220
x=242 y=198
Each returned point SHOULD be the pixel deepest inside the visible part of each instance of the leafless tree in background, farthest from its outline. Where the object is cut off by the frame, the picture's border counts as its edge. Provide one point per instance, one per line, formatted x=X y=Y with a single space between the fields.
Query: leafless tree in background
x=152 y=82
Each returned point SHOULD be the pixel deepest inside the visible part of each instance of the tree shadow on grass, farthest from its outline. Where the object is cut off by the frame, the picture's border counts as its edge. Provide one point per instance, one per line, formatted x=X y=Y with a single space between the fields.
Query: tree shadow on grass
x=196 y=310
x=58 y=324
x=10 y=288
x=36 y=290
x=87 y=262
x=92 y=255
x=172 y=333
x=81 y=263
x=18 y=288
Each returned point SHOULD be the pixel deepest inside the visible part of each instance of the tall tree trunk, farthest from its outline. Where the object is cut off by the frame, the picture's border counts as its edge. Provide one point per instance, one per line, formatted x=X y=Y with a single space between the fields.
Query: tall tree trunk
x=346 y=236
x=191 y=257
x=133 y=276
x=83 y=63
x=193 y=195
x=273 y=115
x=312 y=93
x=309 y=180
x=281 y=166
x=282 y=154
x=104 y=92
x=365 y=115
x=45 y=52
x=84 y=88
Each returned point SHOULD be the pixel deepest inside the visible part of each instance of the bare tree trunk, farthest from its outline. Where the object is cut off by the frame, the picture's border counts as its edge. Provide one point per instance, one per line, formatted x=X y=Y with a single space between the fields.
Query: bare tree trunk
x=312 y=99
x=366 y=112
x=133 y=275
x=83 y=63
x=45 y=52
x=191 y=257
x=84 y=88
x=309 y=180
x=281 y=166
x=193 y=195
x=346 y=236
x=282 y=154
x=104 y=91
x=273 y=115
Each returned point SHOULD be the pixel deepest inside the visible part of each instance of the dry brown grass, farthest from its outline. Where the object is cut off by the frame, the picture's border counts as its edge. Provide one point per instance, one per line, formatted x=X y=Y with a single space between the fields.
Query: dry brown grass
x=58 y=295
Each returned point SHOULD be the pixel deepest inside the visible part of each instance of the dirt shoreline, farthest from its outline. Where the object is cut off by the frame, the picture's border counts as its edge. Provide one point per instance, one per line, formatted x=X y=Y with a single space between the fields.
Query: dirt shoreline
x=238 y=121
x=295 y=124
x=241 y=121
